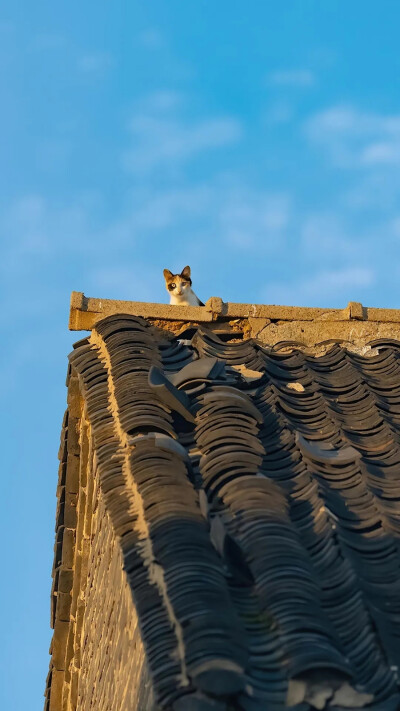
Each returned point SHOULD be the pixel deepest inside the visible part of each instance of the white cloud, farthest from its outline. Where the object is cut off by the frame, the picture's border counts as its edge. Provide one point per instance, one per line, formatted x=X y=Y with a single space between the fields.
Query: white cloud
x=226 y=212
x=168 y=142
x=139 y=282
x=382 y=152
x=395 y=226
x=152 y=38
x=150 y=212
x=356 y=139
x=279 y=112
x=35 y=230
x=53 y=153
x=162 y=139
x=337 y=286
x=22 y=353
x=163 y=100
x=223 y=212
x=374 y=190
x=325 y=236
x=250 y=218
x=162 y=209
x=95 y=63
x=292 y=77
x=49 y=41
x=23 y=226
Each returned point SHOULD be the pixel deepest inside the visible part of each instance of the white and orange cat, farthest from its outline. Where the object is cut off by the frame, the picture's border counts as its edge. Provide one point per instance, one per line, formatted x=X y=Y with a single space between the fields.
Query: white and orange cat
x=179 y=287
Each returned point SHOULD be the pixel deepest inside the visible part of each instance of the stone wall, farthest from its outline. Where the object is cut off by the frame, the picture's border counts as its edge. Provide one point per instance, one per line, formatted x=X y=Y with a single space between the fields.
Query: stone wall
x=98 y=661
x=319 y=335
x=112 y=670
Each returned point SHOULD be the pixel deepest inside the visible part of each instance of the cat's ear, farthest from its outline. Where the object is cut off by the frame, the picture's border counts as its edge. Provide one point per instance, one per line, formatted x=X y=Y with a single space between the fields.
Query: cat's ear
x=185 y=273
x=167 y=274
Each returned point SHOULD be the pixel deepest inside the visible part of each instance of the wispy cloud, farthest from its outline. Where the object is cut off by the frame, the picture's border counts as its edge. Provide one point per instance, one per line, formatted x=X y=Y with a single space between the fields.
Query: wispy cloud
x=327 y=287
x=49 y=41
x=152 y=38
x=225 y=214
x=249 y=218
x=325 y=236
x=38 y=230
x=161 y=138
x=160 y=102
x=353 y=138
x=123 y=281
x=292 y=77
x=279 y=112
x=95 y=63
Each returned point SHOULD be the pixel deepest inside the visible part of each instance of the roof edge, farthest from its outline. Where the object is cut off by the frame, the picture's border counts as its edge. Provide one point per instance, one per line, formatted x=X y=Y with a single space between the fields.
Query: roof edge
x=85 y=311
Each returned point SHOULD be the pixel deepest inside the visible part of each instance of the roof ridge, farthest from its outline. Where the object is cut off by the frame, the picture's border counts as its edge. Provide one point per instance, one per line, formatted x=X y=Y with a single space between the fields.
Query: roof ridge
x=85 y=311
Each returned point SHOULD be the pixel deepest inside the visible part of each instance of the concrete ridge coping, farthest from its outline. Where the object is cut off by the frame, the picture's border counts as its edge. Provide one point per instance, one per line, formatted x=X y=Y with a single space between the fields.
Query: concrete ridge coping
x=85 y=311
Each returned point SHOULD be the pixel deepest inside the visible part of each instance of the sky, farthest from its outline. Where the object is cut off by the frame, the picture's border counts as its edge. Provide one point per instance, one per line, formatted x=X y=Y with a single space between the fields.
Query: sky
x=258 y=142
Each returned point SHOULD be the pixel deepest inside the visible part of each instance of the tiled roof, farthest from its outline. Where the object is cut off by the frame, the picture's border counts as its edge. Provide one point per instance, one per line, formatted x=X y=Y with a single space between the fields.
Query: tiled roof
x=256 y=495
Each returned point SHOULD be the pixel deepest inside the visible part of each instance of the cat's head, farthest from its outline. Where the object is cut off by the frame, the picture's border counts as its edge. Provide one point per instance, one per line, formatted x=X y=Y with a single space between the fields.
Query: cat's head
x=178 y=284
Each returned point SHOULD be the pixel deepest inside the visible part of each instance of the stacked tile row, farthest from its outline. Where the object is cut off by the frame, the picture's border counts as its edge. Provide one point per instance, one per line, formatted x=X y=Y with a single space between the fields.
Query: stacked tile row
x=254 y=495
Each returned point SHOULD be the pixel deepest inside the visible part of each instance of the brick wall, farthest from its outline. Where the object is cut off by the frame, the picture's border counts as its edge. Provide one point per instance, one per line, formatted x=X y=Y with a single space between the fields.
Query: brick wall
x=98 y=661
x=112 y=672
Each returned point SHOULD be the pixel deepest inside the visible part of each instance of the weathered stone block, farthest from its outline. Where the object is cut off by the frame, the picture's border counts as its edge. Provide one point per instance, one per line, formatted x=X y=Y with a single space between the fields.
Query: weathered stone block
x=63 y=606
x=59 y=646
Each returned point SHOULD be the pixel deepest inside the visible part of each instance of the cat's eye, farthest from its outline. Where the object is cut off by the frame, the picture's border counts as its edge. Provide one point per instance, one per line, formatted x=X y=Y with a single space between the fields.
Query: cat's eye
x=183 y=283
x=173 y=286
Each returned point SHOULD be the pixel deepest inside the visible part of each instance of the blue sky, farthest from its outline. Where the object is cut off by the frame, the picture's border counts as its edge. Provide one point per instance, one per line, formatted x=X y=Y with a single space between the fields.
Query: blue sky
x=258 y=142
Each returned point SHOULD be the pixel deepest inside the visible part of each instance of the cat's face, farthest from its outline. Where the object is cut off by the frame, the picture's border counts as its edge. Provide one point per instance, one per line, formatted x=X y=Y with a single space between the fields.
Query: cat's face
x=178 y=284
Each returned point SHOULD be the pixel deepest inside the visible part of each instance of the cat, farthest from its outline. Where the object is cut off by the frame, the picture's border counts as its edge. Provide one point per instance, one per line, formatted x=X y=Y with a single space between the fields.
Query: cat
x=179 y=287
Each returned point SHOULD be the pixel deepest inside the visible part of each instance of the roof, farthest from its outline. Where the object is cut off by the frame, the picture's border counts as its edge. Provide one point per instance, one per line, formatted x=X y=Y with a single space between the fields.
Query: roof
x=308 y=327
x=255 y=494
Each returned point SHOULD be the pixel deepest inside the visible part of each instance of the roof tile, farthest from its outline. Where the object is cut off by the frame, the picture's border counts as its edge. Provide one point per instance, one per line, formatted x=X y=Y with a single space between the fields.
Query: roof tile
x=258 y=518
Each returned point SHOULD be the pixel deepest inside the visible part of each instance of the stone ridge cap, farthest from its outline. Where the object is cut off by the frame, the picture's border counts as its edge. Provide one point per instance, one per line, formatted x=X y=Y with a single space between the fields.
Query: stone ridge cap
x=86 y=311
